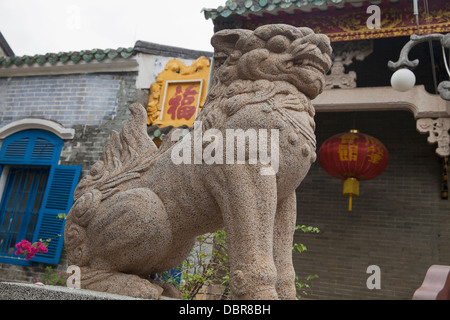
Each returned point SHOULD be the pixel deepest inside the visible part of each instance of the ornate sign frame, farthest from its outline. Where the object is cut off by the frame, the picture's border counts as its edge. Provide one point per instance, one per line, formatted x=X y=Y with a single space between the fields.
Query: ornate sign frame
x=166 y=103
x=177 y=74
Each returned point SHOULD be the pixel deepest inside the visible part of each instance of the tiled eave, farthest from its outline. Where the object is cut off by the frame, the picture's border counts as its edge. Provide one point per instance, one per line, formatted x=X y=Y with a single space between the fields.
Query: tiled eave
x=90 y=61
x=247 y=8
x=70 y=62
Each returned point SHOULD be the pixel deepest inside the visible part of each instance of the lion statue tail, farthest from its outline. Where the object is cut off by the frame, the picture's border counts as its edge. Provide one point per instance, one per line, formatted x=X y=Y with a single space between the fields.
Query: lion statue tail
x=125 y=157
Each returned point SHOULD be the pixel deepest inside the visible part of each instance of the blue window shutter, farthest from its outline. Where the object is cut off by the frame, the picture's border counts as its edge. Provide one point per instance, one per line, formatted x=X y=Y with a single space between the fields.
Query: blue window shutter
x=44 y=150
x=17 y=149
x=58 y=198
x=35 y=147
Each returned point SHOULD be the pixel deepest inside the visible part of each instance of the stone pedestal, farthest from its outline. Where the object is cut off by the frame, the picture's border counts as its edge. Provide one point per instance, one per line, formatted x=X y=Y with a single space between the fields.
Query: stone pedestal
x=25 y=291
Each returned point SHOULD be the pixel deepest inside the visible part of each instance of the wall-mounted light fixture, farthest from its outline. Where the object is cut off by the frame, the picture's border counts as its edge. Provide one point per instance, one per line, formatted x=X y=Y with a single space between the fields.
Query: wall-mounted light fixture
x=403 y=78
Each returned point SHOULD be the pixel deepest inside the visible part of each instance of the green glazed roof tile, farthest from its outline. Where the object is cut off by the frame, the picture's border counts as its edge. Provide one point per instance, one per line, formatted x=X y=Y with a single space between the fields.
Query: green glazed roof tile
x=285 y=5
x=6 y=63
x=233 y=6
x=100 y=56
x=126 y=55
x=242 y=7
x=319 y=2
x=255 y=8
x=62 y=57
x=113 y=54
x=53 y=59
x=240 y=11
x=18 y=62
x=41 y=60
x=29 y=60
x=226 y=13
x=75 y=58
x=88 y=57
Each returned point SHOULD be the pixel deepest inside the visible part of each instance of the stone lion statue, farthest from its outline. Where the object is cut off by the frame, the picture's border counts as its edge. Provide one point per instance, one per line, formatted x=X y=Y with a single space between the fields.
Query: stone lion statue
x=138 y=212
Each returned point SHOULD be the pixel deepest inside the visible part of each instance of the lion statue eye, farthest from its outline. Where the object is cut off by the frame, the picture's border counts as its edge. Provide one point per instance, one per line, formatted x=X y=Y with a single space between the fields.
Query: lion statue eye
x=278 y=44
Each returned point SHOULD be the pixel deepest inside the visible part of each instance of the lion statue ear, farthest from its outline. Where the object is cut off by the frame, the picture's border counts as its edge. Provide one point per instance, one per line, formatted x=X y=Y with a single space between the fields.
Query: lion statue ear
x=224 y=41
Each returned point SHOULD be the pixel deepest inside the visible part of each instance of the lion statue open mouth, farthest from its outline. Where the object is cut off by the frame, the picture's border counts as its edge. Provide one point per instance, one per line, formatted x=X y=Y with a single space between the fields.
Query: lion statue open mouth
x=138 y=213
x=295 y=55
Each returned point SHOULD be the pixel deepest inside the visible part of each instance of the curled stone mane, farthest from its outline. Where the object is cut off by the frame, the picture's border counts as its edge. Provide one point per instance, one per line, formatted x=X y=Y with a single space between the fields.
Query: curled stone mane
x=255 y=61
x=281 y=53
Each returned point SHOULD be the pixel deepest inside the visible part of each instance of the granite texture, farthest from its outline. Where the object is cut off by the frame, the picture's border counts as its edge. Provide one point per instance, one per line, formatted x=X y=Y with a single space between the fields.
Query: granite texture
x=138 y=212
x=28 y=291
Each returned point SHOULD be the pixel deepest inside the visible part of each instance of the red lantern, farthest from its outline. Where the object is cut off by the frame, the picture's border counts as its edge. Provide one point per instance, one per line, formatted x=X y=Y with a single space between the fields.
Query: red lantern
x=353 y=157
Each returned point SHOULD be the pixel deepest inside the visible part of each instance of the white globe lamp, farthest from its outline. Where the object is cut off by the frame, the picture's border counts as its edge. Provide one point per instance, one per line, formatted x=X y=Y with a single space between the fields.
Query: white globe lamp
x=403 y=80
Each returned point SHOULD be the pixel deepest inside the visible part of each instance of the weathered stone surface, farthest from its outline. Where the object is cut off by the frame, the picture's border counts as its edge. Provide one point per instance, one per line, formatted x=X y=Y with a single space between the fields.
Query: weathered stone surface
x=28 y=291
x=139 y=211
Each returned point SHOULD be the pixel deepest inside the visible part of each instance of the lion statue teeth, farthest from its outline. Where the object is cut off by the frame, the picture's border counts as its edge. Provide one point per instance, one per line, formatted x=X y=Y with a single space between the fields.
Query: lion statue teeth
x=138 y=213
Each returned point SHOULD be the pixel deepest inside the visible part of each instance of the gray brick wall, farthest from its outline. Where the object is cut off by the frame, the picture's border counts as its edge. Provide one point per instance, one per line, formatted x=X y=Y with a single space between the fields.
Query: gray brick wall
x=87 y=146
x=69 y=99
x=399 y=222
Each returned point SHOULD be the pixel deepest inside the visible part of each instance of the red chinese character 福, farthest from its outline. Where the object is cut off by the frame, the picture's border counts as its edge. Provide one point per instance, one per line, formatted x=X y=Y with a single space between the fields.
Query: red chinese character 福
x=180 y=105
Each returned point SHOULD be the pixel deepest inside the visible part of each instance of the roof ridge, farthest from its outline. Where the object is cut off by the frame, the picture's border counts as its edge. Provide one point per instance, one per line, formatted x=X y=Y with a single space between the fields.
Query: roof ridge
x=5 y=46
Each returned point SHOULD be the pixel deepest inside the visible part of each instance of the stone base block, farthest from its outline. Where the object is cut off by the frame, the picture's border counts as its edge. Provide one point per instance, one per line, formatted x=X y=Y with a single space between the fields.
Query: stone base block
x=28 y=291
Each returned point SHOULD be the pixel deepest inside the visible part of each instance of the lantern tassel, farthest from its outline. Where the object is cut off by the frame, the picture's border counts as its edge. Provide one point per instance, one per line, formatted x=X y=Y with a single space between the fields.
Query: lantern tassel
x=351 y=188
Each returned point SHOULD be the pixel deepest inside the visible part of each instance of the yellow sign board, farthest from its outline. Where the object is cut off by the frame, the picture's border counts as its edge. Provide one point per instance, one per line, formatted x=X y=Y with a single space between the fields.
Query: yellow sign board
x=179 y=93
x=181 y=101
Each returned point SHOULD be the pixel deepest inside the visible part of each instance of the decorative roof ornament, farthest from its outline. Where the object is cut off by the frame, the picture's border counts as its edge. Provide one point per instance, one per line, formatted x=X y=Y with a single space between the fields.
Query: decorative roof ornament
x=343 y=55
x=340 y=20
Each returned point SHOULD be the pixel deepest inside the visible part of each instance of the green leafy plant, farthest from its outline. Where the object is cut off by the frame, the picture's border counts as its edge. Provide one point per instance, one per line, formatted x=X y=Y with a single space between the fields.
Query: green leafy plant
x=52 y=277
x=208 y=266
x=61 y=216
x=302 y=285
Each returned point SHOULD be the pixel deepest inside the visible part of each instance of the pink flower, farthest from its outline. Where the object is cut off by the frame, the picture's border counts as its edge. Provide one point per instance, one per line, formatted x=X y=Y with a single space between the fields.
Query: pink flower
x=43 y=249
x=25 y=247
x=22 y=244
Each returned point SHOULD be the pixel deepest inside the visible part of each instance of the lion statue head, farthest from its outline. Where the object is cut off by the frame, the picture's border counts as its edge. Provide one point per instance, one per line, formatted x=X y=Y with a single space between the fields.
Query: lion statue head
x=275 y=53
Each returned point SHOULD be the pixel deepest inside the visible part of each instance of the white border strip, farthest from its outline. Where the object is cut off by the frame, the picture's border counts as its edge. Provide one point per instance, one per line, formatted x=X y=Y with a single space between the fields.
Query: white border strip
x=33 y=123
